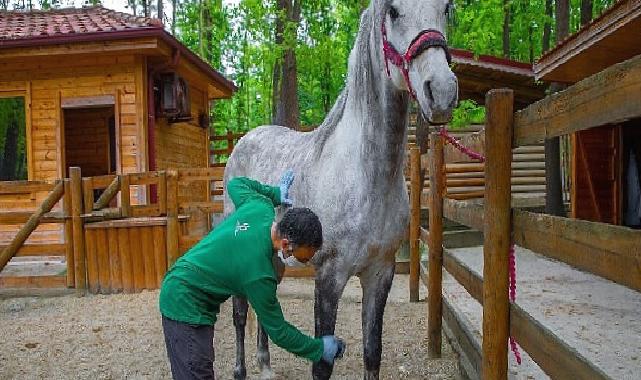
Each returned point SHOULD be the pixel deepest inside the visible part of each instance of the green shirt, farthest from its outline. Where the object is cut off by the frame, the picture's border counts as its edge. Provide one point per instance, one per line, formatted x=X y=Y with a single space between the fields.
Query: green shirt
x=235 y=259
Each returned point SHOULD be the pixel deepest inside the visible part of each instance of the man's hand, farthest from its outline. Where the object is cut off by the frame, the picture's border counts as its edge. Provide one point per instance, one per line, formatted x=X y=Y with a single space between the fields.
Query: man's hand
x=333 y=348
x=284 y=184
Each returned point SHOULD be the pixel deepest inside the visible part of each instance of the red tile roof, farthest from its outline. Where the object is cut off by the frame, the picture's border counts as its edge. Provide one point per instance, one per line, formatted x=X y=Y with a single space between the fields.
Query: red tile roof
x=16 y=25
x=59 y=26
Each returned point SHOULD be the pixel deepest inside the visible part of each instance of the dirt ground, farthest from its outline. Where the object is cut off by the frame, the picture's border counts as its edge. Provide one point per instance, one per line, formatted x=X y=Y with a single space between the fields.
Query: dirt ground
x=120 y=336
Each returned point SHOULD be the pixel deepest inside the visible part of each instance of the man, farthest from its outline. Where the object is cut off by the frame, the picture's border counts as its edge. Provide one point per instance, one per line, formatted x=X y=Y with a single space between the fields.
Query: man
x=236 y=259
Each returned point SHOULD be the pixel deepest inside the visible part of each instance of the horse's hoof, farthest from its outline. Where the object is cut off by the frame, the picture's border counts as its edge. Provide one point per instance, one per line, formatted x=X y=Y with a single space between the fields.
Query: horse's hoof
x=240 y=373
x=266 y=374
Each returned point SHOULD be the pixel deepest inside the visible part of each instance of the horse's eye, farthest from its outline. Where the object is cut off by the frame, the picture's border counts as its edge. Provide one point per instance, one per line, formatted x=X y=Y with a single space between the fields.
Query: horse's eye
x=393 y=13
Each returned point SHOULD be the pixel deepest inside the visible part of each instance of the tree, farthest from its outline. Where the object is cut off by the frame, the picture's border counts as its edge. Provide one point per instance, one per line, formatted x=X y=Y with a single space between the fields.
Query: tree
x=586 y=11
x=286 y=82
x=553 y=186
x=506 y=28
x=10 y=156
x=161 y=11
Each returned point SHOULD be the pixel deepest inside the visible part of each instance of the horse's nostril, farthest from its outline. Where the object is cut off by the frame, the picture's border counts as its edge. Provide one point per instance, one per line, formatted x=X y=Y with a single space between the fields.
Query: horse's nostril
x=428 y=91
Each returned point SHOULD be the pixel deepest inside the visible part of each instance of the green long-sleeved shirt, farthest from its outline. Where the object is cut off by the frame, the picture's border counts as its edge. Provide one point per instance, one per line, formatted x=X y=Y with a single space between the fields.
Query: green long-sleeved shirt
x=235 y=259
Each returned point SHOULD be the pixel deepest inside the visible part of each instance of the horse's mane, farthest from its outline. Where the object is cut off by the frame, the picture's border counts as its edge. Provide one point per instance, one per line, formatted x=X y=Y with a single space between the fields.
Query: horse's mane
x=358 y=77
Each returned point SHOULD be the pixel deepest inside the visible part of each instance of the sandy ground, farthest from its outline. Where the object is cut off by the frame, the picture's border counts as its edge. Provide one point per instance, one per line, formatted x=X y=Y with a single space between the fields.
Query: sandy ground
x=596 y=317
x=120 y=336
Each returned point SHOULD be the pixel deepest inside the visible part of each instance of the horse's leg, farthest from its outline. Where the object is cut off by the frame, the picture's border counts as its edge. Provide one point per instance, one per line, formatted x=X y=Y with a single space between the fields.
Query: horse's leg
x=262 y=342
x=376 y=282
x=240 y=321
x=329 y=287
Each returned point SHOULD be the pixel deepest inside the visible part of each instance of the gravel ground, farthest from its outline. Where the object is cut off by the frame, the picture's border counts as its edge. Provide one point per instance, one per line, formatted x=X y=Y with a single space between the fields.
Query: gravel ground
x=120 y=336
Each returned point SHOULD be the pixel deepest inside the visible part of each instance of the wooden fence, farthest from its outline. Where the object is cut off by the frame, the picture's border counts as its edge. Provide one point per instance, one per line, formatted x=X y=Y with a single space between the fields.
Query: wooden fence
x=609 y=251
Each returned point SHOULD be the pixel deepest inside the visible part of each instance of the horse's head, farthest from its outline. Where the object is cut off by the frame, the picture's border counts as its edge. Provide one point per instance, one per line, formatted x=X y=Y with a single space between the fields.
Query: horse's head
x=416 y=55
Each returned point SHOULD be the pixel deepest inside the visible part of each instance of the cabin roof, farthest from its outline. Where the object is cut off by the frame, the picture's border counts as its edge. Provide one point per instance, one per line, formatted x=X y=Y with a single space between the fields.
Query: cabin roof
x=479 y=74
x=608 y=39
x=76 y=25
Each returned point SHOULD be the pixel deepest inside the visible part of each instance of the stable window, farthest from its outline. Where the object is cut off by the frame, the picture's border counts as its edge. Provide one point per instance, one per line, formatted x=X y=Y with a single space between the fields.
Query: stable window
x=13 y=139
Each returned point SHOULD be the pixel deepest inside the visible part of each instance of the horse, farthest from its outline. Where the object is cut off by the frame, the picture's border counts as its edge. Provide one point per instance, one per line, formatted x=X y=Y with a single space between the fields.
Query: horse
x=349 y=170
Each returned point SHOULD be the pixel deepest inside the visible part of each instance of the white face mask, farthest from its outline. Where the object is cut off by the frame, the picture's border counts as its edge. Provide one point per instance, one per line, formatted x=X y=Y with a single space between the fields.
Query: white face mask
x=290 y=260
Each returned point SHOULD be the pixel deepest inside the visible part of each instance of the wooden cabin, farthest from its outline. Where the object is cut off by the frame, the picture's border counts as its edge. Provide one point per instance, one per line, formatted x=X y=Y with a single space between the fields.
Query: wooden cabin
x=601 y=178
x=104 y=91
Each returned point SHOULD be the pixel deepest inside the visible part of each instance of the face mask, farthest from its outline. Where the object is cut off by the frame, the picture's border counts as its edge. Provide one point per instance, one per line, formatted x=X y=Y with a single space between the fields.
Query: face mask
x=290 y=260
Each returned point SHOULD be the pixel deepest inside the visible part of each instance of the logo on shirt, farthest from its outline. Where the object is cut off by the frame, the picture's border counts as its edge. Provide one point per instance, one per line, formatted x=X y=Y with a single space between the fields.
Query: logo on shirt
x=240 y=227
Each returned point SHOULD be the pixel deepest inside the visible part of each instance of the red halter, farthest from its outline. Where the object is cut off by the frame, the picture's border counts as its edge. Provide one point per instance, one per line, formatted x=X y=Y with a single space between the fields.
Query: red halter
x=426 y=39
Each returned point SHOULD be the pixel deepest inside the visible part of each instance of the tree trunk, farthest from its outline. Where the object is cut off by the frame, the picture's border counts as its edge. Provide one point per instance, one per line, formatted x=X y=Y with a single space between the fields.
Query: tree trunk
x=586 y=11
x=506 y=28
x=161 y=11
x=208 y=33
x=287 y=109
x=553 y=186
x=174 y=4
x=145 y=8
x=10 y=156
x=547 y=28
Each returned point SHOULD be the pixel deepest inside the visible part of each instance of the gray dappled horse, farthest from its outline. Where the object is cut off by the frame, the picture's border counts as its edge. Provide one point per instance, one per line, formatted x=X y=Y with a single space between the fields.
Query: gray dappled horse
x=350 y=169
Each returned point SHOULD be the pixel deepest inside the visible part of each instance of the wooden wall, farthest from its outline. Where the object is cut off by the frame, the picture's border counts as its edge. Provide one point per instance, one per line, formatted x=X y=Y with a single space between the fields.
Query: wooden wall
x=45 y=83
x=185 y=145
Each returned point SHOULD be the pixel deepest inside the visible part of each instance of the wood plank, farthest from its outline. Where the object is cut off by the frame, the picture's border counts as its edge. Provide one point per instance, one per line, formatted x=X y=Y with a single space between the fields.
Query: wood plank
x=160 y=253
x=131 y=222
x=474 y=141
x=93 y=279
x=145 y=235
x=200 y=174
x=21 y=217
x=612 y=252
x=215 y=207
x=40 y=250
x=608 y=97
x=188 y=241
x=152 y=210
x=554 y=356
x=138 y=261
x=67 y=209
x=468 y=214
x=17 y=187
x=126 y=260
x=464 y=338
x=33 y=281
x=115 y=267
x=471 y=281
x=88 y=101
x=102 y=253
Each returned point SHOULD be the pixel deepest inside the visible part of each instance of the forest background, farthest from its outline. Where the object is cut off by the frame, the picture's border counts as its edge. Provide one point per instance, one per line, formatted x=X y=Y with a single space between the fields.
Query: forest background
x=289 y=57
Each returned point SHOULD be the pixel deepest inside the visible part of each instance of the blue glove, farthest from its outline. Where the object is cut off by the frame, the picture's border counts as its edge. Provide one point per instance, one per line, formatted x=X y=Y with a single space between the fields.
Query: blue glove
x=332 y=348
x=284 y=184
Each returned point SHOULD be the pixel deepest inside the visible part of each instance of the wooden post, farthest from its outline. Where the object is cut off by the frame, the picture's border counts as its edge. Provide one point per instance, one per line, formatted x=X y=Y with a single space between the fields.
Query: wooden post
x=80 y=265
x=125 y=196
x=497 y=226
x=66 y=206
x=31 y=225
x=435 y=243
x=230 y=141
x=162 y=193
x=415 y=221
x=172 y=218
x=87 y=191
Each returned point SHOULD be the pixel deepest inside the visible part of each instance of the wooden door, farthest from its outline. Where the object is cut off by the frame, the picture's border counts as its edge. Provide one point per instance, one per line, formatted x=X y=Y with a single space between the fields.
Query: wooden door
x=596 y=175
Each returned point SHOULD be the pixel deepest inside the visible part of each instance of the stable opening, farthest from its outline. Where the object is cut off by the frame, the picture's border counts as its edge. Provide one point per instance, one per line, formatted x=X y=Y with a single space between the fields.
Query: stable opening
x=13 y=148
x=90 y=140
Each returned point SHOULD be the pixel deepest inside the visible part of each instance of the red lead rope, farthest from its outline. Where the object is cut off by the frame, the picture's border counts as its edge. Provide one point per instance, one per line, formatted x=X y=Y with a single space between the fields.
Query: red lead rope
x=512 y=257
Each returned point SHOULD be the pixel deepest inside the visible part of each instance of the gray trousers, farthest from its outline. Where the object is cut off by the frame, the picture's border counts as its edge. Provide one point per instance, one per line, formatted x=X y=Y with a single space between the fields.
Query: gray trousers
x=190 y=349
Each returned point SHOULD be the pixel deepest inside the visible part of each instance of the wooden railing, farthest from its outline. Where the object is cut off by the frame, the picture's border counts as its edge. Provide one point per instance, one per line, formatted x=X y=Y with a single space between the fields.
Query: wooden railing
x=609 y=251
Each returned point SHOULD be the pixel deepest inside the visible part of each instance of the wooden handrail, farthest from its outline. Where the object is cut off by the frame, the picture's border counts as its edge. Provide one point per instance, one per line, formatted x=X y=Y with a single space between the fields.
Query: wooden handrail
x=31 y=225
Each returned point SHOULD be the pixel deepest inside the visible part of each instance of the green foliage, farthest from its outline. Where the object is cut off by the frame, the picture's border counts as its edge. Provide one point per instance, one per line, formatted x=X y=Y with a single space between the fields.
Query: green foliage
x=12 y=111
x=467 y=113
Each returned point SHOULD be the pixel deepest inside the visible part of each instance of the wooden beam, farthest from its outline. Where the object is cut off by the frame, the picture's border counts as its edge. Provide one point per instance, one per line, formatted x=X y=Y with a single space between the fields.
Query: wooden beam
x=24 y=187
x=200 y=174
x=497 y=229
x=465 y=276
x=88 y=101
x=215 y=207
x=415 y=222
x=107 y=195
x=33 y=281
x=33 y=222
x=173 y=250
x=554 y=356
x=80 y=266
x=612 y=252
x=435 y=263
x=611 y=96
x=68 y=234
x=468 y=214
x=20 y=217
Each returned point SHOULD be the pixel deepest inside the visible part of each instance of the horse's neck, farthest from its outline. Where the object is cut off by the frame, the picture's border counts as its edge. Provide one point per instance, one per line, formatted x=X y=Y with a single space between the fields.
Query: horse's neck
x=373 y=128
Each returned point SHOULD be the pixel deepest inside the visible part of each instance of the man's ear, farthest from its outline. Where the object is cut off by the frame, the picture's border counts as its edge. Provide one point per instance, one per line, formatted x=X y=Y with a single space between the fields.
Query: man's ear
x=284 y=244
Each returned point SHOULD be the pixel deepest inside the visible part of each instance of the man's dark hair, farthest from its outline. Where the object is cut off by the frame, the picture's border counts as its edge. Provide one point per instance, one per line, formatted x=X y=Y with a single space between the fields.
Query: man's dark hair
x=301 y=227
